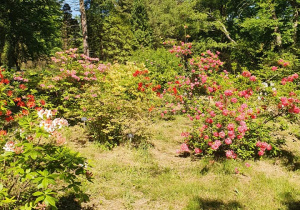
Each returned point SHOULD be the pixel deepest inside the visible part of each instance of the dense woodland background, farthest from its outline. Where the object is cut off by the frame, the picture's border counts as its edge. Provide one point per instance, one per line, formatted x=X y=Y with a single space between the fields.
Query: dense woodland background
x=248 y=33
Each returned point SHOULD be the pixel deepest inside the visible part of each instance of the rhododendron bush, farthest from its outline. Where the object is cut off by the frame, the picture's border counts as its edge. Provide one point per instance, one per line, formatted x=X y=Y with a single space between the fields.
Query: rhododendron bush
x=35 y=164
x=233 y=114
x=112 y=100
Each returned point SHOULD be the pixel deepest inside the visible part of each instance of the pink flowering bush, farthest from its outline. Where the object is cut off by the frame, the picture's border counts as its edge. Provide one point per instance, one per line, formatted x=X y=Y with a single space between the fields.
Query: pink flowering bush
x=113 y=101
x=231 y=114
x=67 y=79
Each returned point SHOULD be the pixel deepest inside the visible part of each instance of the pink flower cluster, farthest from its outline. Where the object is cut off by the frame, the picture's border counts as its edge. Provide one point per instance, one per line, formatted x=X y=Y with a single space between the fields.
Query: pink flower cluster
x=230 y=154
x=183 y=148
x=290 y=78
x=215 y=145
x=290 y=103
x=263 y=146
x=184 y=49
x=283 y=63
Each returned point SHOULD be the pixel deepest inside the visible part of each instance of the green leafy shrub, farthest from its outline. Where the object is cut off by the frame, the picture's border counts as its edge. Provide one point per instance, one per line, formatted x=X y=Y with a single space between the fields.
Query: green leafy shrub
x=162 y=65
x=35 y=166
x=112 y=100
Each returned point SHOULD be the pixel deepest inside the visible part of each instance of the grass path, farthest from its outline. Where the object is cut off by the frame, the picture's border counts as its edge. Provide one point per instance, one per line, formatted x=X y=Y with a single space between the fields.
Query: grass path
x=154 y=178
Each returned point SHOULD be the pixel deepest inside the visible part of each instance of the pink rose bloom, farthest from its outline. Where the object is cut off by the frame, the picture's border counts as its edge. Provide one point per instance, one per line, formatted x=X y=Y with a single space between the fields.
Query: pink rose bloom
x=225 y=112
x=212 y=113
x=228 y=92
x=246 y=74
x=210 y=89
x=216 y=134
x=230 y=127
x=209 y=120
x=184 y=148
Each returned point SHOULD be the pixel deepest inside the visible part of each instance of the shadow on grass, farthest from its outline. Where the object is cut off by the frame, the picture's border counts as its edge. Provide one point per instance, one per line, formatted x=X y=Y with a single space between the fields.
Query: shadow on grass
x=293 y=205
x=69 y=202
x=290 y=201
x=290 y=160
x=208 y=204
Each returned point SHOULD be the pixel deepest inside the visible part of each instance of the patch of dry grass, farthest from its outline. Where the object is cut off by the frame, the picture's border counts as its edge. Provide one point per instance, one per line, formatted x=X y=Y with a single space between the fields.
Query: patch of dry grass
x=155 y=178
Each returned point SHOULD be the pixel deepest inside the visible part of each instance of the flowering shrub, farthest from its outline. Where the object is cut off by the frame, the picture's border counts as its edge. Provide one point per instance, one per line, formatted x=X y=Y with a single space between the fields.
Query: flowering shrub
x=68 y=78
x=231 y=114
x=35 y=166
x=121 y=105
x=112 y=100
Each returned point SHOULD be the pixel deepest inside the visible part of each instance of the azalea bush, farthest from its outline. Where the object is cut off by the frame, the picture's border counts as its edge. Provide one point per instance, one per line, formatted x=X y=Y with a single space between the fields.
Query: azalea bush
x=111 y=100
x=35 y=165
x=233 y=115
x=120 y=107
x=64 y=82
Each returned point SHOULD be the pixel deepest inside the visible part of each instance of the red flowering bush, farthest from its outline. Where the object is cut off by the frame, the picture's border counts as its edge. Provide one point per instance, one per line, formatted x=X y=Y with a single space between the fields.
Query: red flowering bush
x=121 y=105
x=34 y=164
x=231 y=114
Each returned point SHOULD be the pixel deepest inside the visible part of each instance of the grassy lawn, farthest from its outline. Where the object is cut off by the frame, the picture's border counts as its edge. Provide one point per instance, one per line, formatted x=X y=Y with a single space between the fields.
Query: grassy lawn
x=153 y=177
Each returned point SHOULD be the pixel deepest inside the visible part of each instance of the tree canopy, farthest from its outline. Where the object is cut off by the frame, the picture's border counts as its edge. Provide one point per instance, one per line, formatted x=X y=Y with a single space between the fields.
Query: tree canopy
x=29 y=29
x=246 y=32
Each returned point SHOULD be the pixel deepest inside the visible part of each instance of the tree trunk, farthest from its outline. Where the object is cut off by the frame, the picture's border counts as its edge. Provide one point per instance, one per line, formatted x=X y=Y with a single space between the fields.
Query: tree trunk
x=84 y=28
x=295 y=6
x=277 y=31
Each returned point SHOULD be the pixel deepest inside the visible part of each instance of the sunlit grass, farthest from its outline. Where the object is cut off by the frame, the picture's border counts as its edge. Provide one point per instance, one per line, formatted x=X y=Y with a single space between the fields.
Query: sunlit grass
x=152 y=177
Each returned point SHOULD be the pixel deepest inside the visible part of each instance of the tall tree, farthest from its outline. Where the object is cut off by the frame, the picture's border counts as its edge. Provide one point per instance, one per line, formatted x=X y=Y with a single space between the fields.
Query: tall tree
x=29 y=29
x=71 y=36
x=140 y=24
x=84 y=28
x=110 y=31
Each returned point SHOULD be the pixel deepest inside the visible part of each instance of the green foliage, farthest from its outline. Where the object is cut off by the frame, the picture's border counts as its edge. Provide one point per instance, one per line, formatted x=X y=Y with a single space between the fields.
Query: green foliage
x=162 y=65
x=29 y=34
x=35 y=166
x=71 y=34
x=140 y=24
x=112 y=100
x=110 y=33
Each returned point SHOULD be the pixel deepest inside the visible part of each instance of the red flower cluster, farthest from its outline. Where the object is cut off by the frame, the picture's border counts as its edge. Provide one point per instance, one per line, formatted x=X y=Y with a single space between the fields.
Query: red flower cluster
x=137 y=73
x=157 y=87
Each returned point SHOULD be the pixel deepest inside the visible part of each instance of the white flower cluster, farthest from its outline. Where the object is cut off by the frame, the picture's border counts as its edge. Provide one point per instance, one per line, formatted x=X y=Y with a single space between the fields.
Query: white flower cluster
x=51 y=125
x=43 y=112
x=85 y=165
x=60 y=122
x=9 y=146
